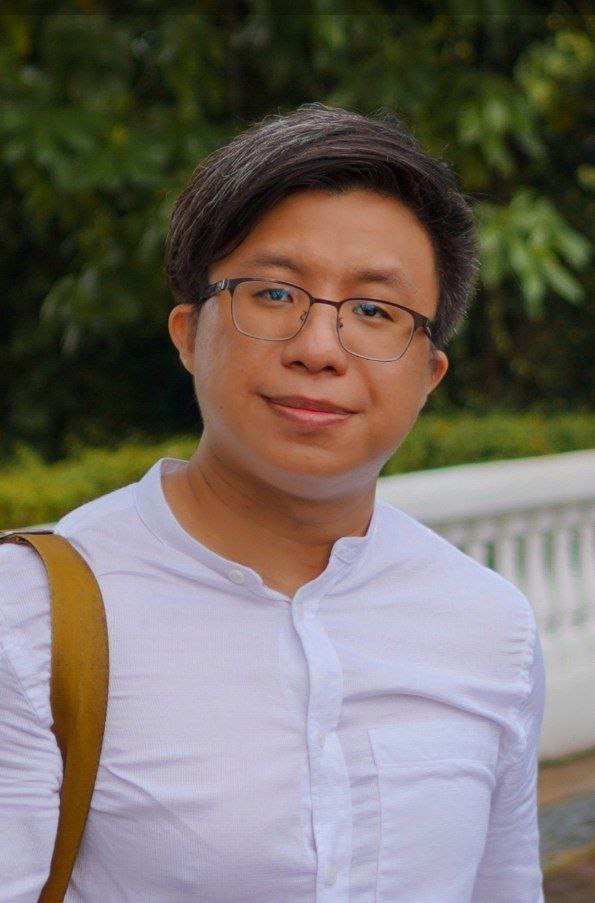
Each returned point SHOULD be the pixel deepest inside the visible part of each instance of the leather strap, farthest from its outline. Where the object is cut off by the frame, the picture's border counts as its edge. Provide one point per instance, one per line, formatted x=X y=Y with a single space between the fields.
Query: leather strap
x=78 y=690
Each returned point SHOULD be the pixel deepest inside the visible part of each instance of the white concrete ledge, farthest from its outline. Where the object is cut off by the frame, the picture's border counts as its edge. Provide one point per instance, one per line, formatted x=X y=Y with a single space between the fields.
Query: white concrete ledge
x=467 y=491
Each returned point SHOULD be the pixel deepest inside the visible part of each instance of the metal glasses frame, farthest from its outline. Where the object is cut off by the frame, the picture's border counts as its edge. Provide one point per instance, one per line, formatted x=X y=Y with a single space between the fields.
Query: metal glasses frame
x=230 y=285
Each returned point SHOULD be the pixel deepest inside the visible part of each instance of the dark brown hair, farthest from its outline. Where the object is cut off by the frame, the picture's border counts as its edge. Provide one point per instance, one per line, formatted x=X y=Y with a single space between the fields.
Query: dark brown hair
x=328 y=148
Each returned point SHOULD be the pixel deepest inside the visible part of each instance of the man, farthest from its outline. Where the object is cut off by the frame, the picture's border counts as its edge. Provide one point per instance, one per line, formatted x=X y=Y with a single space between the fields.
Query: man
x=312 y=697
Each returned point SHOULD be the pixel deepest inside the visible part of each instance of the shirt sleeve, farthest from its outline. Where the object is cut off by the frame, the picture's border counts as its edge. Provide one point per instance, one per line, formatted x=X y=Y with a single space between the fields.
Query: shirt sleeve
x=510 y=870
x=30 y=761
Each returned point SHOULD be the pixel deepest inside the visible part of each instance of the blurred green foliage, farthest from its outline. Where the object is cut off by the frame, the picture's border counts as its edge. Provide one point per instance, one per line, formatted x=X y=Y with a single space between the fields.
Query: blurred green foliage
x=33 y=491
x=439 y=440
x=106 y=114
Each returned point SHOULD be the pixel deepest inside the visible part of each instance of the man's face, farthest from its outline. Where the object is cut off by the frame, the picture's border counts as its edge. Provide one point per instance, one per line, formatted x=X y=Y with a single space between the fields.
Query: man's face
x=332 y=245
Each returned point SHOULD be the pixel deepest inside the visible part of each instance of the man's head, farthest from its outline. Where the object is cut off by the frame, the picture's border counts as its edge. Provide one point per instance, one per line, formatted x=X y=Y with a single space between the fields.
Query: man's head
x=344 y=206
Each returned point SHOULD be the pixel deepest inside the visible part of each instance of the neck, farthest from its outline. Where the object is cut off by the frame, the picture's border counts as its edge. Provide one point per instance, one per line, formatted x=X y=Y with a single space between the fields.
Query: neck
x=261 y=526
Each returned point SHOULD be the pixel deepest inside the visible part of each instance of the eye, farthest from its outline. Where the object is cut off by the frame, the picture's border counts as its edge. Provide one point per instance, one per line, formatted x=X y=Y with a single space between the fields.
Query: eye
x=275 y=294
x=370 y=310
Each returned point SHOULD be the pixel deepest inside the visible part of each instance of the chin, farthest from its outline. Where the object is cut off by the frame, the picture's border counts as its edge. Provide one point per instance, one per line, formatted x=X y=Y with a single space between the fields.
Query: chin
x=305 y=477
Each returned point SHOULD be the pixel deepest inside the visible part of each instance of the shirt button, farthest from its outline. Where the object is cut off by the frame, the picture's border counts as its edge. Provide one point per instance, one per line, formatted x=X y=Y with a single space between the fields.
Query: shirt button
x=331 y=875
x=236 y=576
x=321 y=737
x=299 y=610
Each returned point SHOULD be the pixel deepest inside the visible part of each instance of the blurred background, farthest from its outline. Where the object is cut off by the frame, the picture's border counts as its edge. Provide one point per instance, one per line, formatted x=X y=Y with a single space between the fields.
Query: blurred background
x=104 y=116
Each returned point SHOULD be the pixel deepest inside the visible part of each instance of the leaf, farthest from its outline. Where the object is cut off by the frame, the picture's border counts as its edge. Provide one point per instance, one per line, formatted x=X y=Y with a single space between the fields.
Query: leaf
x=574 y=247
x=561 y=280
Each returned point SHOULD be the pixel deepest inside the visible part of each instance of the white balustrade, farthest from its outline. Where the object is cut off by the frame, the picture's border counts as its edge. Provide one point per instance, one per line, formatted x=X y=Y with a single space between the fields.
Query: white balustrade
x=533 y=521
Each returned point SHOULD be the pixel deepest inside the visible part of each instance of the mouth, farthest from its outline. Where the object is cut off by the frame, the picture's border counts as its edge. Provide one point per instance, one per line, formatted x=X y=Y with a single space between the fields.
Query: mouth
x=301 y=403
x=299 y=412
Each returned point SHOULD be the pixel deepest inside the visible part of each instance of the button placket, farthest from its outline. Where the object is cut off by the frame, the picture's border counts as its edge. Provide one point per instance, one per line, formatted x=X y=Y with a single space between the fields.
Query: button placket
x=329 y=779
x=330 y=876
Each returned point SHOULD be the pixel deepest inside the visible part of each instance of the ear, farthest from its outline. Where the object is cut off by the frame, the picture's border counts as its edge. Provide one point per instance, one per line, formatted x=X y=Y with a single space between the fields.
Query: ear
x=438 y=366
x=182 y=324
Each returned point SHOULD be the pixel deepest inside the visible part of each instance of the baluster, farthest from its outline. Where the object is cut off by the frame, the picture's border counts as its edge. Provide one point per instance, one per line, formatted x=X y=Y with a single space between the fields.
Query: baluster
x=505 y=550
x=538 y=589
x=565 y=587
x=587 y=576
x=480 y=533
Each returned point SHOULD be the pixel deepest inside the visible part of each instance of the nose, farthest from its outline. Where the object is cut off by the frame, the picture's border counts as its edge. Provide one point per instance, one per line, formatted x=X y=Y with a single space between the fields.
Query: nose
x=317 y=345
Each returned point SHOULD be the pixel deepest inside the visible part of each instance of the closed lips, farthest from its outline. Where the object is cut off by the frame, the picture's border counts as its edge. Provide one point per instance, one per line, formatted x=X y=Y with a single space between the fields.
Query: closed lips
x=309 y=404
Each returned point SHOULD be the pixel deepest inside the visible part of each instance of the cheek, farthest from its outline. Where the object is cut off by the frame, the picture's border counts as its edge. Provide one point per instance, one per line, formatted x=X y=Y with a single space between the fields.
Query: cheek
x=396 y=402
x=211 y=348
x=221 y=371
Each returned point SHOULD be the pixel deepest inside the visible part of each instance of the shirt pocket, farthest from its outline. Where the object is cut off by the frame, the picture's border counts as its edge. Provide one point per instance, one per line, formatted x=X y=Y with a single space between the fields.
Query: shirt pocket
x=435 y=780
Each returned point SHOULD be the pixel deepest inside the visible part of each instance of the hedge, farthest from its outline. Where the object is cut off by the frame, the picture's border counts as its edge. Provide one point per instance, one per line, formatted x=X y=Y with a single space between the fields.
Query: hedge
x=443 y=441
x=34 y=492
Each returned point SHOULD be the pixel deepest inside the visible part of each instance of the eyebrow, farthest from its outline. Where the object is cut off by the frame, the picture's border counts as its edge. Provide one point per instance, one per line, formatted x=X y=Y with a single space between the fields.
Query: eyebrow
x=393 y=276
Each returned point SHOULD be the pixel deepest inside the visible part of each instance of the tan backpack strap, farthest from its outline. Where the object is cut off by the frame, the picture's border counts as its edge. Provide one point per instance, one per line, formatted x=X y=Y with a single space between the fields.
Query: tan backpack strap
x=78 y=691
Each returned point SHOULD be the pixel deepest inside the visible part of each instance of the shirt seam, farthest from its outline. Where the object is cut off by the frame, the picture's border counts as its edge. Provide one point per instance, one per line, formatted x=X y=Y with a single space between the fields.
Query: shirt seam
x=5 y=654
x=528 y=661
x=72 y=533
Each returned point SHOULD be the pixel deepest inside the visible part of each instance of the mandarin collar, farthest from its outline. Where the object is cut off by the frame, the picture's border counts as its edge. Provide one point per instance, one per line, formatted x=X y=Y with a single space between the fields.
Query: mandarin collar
x=155 y=512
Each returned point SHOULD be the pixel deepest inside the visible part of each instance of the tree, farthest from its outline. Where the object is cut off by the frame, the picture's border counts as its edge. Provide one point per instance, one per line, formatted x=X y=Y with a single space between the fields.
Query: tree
x=105 y=116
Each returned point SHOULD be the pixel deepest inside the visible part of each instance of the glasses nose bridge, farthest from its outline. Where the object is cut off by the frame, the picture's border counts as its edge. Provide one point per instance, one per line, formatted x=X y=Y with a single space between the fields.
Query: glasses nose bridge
x=313 y=300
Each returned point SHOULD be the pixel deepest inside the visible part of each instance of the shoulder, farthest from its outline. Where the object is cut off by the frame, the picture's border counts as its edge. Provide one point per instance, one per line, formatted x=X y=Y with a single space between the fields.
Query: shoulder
x=483 y=625
x=436 y=553
x=458 y=584
x=103 y=529
x=21 y=568
x=25 y=616
x=25 y=634
x=94 y=514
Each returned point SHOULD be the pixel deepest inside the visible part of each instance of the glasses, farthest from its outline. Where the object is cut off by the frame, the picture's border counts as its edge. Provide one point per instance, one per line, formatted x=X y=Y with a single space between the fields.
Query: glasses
x=276 y=311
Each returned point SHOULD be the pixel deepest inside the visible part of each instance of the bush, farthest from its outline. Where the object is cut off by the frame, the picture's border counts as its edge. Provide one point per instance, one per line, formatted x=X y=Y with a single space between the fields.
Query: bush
x=443 y=441
x=33 y=492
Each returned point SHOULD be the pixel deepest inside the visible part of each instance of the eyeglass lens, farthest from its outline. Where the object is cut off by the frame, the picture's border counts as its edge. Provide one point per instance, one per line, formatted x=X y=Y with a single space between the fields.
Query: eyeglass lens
x=276 y=311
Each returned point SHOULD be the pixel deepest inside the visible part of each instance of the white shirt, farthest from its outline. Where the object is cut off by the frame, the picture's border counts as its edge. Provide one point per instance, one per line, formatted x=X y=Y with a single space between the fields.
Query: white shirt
x=372 y=739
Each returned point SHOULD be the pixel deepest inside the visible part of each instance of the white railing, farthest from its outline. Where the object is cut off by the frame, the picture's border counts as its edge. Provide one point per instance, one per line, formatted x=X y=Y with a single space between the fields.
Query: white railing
x=533 y=521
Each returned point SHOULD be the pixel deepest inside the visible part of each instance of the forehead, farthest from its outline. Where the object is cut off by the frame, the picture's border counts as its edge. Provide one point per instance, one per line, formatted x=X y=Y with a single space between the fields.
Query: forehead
x=355 y=238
